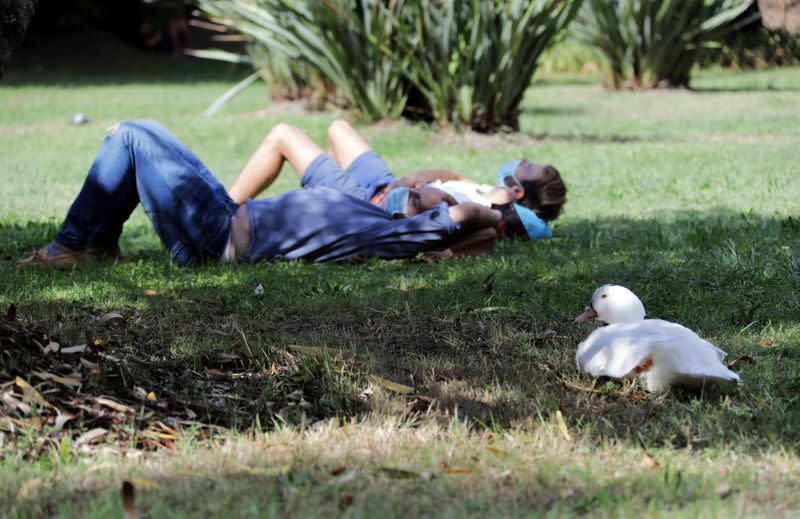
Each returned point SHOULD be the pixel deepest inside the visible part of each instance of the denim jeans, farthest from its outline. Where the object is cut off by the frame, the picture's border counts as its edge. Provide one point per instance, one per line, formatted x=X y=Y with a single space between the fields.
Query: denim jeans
x=142 y=162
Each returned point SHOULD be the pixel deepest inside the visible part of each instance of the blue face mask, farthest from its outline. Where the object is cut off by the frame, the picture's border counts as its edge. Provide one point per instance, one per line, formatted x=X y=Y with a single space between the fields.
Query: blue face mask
x=535 y=227
x=396 y=203
x=506 y=170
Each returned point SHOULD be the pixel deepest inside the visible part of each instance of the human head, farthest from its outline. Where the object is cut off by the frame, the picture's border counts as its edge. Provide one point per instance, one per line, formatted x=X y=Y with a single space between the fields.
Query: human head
x=404 y=201
x=539 y=187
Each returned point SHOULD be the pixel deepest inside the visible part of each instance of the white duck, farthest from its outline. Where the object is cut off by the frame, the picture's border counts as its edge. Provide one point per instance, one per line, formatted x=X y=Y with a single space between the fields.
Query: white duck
x=658 y=352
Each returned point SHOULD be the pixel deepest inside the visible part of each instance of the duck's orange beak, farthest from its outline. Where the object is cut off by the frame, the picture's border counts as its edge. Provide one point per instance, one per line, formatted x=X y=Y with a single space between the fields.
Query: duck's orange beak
x=587 y=315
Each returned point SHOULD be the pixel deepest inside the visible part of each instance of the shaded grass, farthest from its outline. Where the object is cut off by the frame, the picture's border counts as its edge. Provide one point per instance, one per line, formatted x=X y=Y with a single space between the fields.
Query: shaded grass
x=688 y=198
x=499 y=356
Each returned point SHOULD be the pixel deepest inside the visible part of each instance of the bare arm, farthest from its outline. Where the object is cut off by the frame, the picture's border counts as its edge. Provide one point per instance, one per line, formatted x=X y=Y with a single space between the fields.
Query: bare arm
x=472 y=216
x=426 y=176
x=479 y=224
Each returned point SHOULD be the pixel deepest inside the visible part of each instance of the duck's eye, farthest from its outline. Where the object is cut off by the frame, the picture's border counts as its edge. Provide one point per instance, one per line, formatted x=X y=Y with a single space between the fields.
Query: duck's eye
x=604 y=296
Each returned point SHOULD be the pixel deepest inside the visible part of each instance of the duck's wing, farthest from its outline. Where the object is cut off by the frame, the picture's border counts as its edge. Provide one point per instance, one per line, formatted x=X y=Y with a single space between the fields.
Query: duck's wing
x=615 y=350
x=674 y=351
x=687 y=355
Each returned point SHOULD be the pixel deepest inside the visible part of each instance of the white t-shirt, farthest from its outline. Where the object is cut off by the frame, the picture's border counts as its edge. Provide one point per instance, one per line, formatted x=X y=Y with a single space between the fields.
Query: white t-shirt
x=465 y=191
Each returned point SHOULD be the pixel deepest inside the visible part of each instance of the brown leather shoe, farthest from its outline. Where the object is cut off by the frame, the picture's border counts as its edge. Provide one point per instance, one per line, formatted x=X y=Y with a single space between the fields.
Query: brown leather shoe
x=104 y=253
x=56 y=255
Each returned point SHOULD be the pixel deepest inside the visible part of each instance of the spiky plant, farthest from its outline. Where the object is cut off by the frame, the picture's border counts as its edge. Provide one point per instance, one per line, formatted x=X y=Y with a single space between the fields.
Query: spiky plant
x=473 y=60
x=343 y=41
x=470 y=61
x=654 y=43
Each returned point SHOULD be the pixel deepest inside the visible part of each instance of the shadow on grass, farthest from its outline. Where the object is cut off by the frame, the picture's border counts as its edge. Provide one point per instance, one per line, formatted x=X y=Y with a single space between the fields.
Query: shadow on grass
x=491 y=336
x=591 y=138
x=86 y=56
x=744 y=89
x=303 y=490
x=553 y=110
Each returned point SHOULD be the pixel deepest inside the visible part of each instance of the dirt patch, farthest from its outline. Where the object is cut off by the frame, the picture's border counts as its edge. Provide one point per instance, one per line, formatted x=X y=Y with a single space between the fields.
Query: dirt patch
x=481 y=141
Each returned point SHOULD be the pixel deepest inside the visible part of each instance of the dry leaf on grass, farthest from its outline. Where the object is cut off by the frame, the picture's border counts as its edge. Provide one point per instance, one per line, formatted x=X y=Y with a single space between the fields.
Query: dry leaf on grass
x=446 y=468
x=30 y=394
x=741 y=358
x=572 y=385
x=34 y=423
x=216 y=374
x=91 y=436
x=157 y=435
x=116 y=406
x=89 y=364
x=74 y=380
x=498 y=452
x=108 y=316
x=15 y=404
x=649 y=461
x=314 y=350
x=62 y=419
x=391 y=386
x=562 y=425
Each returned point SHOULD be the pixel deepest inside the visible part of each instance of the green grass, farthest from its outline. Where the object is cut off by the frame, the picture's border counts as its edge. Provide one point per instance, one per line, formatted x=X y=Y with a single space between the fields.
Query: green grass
x=687 y=197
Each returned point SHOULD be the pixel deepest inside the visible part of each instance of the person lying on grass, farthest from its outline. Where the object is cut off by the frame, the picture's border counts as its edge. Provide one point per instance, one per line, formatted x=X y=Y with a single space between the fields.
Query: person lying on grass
x=527 y=194
x=141 y=162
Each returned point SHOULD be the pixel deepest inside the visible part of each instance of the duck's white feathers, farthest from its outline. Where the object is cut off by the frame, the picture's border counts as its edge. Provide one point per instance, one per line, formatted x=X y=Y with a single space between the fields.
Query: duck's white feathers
x=678 y=355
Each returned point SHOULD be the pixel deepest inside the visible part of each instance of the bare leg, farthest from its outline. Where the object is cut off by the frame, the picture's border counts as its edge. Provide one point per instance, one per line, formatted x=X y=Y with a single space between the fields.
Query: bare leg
x=282 y=143
x=345 y=144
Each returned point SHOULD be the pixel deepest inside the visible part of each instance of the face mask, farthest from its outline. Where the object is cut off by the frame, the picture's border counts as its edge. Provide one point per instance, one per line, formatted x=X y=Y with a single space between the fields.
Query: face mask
x=521 y=221
x=506 y=170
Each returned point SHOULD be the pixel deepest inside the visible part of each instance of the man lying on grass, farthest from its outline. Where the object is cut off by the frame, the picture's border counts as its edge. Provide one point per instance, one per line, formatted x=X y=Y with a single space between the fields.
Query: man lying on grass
x=142 y=162
x=528 y=194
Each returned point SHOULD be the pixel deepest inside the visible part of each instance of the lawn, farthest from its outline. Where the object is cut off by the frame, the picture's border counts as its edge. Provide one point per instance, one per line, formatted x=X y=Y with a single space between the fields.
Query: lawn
x=406 y=388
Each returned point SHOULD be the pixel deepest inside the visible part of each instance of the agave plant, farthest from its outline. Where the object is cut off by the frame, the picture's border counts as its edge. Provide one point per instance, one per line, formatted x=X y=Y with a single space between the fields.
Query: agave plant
x=472 y=60
x=657 y=42
x=469 y=61
x=343 y=42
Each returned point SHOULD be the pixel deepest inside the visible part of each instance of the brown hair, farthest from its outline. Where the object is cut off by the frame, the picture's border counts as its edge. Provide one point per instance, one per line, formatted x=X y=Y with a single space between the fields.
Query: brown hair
x=547 y=195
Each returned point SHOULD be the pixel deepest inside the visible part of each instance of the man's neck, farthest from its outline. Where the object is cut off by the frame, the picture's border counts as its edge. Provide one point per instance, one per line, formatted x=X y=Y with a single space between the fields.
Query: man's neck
x=499 y=196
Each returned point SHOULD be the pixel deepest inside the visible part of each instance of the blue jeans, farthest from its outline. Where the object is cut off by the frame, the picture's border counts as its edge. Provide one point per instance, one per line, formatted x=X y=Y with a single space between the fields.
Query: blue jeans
x=142 y=162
